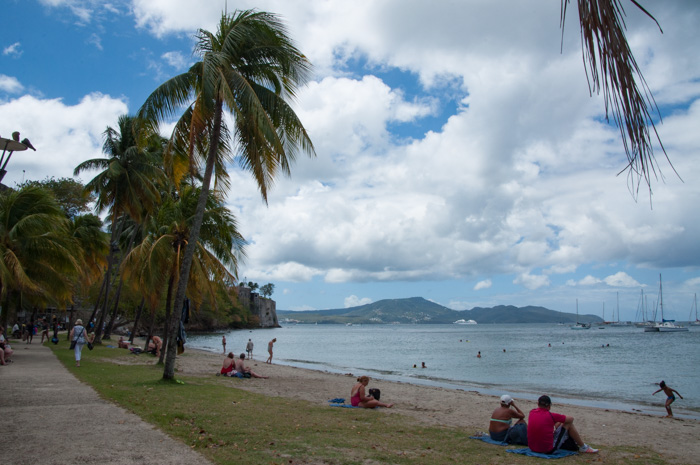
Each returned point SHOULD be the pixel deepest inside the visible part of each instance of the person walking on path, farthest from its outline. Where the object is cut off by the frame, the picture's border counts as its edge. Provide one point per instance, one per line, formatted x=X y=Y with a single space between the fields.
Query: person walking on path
x=269 y=350
x=249 y=349
x=670 y=397
x=78 y=336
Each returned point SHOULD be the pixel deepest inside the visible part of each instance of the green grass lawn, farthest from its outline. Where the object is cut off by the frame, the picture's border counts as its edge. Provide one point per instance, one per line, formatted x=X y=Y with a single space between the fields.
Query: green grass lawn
x=230 y=425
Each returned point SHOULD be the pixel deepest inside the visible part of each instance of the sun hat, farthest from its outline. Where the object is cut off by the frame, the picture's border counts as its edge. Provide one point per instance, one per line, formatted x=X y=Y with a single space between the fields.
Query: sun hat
x=506 y=399
x=79 y=322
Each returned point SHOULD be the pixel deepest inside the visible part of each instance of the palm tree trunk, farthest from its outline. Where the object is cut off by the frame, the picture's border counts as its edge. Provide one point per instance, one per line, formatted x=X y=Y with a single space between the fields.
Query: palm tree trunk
x=110 y=326
x=150 y=328
x=169 y=370
x=168 y=310
x=113 y=247
x=136 y=320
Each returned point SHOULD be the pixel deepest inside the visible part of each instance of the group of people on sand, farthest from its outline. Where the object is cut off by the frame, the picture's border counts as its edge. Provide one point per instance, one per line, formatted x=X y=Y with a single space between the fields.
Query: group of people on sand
x=544 y=432
x=236 y=367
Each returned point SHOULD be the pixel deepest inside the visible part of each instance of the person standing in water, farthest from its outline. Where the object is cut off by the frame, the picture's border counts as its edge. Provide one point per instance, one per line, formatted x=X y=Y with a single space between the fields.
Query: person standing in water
x=670 y=397
x=223 y=343
x=269 y=350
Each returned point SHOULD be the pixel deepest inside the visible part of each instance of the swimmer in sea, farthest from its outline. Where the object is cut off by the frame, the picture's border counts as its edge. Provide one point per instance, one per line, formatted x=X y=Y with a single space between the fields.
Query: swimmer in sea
x=670 y=397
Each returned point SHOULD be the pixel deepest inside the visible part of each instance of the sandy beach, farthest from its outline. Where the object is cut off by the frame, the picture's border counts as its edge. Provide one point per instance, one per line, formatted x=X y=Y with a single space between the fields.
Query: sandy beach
x=675 y=439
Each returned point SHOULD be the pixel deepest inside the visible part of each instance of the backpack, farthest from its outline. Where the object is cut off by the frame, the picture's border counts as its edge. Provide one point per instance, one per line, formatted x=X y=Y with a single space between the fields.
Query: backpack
x=374 y=392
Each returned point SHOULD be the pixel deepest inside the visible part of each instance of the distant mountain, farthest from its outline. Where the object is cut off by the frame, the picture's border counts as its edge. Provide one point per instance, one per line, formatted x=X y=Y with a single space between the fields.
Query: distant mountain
x=417 y=310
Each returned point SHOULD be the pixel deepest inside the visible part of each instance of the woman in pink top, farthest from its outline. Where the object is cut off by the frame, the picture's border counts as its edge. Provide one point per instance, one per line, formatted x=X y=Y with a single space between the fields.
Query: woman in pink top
x=359 y=399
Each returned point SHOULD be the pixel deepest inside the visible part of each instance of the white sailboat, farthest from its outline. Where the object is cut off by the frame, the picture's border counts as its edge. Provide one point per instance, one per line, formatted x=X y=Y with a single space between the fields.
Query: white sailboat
x=666 y=326
x=580 y=325
x=695 y=304
x=618 y=322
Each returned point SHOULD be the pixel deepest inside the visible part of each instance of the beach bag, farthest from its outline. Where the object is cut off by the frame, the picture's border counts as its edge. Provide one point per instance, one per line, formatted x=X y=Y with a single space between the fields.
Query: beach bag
x=90 y=346
x=374 y=392
x=72 y=345
x=517 y=435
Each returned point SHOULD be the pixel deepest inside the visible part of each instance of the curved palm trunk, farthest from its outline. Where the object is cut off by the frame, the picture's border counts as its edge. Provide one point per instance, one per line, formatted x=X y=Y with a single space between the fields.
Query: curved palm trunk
x=136 y=320
x=110 y=326
x=169 y=370
x=110 y=262
x=97 y=302
x=168 y=310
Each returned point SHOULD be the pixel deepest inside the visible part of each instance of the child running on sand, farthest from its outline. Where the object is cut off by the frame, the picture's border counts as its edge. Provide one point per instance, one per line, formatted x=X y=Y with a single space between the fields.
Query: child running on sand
x=669 y=397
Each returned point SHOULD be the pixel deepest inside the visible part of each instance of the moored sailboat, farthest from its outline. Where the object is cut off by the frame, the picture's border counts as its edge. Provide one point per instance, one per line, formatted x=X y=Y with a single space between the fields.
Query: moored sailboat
x=579 y=325
x=666 y=326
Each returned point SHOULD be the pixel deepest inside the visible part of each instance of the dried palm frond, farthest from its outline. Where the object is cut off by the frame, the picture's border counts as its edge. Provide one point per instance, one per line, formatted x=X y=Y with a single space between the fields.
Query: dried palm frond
x=610 y=66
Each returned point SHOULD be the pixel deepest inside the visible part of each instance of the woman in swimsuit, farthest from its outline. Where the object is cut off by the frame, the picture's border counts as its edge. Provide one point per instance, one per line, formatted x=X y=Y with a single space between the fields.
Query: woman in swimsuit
x=669 y=397
x=228 y=368
x=359 y=399
x=502 y=417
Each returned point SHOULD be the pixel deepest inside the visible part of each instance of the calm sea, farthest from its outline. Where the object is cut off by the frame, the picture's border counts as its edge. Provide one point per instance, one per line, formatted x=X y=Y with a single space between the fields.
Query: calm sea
x=615 y=367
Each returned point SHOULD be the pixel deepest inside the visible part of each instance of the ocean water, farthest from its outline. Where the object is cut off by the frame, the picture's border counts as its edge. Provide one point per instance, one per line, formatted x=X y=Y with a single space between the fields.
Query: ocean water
x=578 y=368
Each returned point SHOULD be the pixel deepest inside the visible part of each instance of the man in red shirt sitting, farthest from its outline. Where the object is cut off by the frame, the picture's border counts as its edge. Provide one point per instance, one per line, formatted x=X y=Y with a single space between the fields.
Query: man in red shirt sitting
x=548 y=431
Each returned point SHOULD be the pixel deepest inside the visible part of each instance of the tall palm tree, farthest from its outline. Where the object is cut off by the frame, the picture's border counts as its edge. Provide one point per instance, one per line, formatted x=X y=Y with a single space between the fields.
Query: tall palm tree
x=37 y=255
x=248 y=68
x=154 y=264
x=128 y=183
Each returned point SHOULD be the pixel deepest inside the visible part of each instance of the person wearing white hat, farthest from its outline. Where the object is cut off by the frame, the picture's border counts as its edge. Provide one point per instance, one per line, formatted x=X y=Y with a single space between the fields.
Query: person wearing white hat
x=501 y=427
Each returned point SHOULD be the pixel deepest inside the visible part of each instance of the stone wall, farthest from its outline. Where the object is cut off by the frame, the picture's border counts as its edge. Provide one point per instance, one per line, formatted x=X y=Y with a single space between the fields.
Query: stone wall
x=264 y=309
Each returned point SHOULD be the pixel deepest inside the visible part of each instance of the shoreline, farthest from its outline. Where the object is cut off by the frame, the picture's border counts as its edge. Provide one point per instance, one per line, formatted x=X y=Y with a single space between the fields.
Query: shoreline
x=651 y=408
x=675 y=438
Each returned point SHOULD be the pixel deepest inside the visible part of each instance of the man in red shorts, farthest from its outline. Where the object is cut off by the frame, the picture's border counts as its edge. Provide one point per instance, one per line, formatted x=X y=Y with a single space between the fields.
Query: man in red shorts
x=548 y=432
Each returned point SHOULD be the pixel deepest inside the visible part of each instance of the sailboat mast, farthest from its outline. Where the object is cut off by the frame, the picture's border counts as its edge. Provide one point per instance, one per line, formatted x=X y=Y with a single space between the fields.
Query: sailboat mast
x=618 y=308
x=661 y=298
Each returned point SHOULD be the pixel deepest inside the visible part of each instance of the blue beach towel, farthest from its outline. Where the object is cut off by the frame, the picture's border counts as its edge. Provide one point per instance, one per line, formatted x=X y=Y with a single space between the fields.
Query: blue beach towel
x=337 y=400
x=557 y=454
x=489 y=440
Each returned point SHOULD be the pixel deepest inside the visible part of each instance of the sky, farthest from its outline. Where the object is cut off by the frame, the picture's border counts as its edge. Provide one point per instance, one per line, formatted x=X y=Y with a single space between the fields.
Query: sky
x=460 y=155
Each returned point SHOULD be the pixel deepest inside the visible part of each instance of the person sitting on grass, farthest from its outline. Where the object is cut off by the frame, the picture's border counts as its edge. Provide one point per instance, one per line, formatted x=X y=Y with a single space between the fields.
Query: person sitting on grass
x=245 y=371
x=670 y=397
x=122 y=344
x=5 y=349
x=359 y=399
x=548 y=432
x=500 y=428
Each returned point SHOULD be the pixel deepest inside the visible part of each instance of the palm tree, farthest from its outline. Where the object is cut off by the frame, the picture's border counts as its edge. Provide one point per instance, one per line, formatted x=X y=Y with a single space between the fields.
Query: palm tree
x=127 y=184
x=37 y=255
x=611 y=67
x=155 y=262
x=248 y=68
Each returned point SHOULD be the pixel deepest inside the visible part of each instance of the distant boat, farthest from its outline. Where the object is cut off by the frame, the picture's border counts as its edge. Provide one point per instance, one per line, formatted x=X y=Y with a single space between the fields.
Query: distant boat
x=464 y=322
x=618 y=322
x=666 y=326
x=695 y=304
x=580 y=325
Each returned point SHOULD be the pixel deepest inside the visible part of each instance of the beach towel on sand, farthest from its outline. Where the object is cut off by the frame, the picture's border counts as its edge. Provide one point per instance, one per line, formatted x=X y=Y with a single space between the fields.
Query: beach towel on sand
x=339 y=402
x=557 y=454
x=488 y=440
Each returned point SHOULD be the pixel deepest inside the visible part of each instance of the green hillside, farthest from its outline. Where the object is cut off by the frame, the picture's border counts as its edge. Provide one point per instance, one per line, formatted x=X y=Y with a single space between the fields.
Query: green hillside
x=417 y=310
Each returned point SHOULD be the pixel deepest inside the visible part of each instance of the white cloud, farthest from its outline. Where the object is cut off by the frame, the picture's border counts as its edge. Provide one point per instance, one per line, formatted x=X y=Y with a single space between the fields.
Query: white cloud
x=532 y=281
x=485 y=284
x=354 y=301
x=176 y=59
x=10 y=84
x=621 y=279
x=64 y=135
x=13 y=50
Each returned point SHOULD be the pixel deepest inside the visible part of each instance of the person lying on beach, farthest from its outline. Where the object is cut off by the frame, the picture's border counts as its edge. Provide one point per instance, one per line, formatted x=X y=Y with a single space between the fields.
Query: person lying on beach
x=241 y=368
x=359 y=399
x=122 y=344
x=229 y=364
x=548 y=432
x=500 y=428
x=669 y=397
